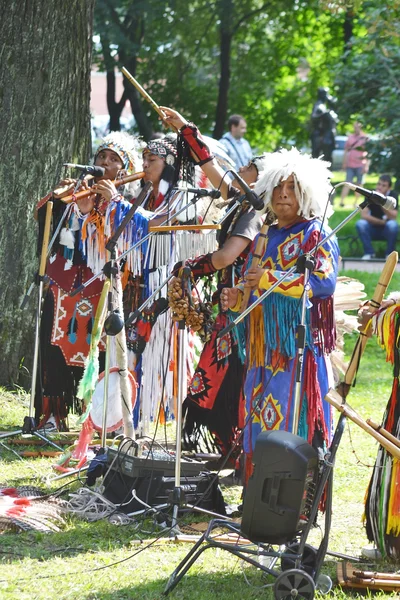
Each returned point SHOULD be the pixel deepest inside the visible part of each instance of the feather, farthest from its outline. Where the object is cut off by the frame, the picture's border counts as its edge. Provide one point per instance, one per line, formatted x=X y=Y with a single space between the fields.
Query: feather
x=29 y=509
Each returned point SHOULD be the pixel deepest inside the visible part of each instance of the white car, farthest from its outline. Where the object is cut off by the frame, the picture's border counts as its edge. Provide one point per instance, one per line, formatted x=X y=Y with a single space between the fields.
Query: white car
x=338 y=153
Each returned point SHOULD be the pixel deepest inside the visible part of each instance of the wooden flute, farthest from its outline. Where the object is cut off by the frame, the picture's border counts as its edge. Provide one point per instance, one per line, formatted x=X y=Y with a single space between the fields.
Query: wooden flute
x=89 y=192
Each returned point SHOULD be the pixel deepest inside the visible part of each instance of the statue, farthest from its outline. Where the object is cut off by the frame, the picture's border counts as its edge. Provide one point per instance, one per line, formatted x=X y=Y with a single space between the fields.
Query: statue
x=323 y=123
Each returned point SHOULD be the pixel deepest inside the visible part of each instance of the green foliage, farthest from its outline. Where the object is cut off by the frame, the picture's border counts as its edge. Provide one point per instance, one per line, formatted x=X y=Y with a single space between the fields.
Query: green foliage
x=368 y=81
x=280 y=53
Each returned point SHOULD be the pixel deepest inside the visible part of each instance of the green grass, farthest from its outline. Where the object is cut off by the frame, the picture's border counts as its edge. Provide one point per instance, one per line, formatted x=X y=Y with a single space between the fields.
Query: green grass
x=101 y=561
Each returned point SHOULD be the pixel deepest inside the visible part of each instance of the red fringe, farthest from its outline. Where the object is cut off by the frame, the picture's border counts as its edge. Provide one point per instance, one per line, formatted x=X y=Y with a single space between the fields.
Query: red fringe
x=323 y=323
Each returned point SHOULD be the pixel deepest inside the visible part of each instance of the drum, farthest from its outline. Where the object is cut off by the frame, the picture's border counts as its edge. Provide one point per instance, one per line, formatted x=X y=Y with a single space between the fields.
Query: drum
x=114 y=418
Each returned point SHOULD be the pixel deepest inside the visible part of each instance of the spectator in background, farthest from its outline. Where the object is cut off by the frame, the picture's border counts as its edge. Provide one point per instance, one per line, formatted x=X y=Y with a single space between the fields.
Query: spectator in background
x=355 y=160
x=378 y=223
x=236 y=146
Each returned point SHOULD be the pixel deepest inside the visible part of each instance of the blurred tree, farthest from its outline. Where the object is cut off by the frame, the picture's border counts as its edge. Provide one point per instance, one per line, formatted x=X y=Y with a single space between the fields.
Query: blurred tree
x=369 y=82
x=45 y=50
x=272 y=57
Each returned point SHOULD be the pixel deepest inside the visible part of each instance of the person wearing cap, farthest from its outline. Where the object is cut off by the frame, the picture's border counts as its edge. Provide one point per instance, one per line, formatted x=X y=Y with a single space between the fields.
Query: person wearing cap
x=79 y=252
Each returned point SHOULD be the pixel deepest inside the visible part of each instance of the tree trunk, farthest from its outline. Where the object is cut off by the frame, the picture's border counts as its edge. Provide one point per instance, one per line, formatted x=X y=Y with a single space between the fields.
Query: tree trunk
x=223 y=88
x=226 y=34
x=45 y=51
x=348 y=28
x=115 y=107
x=138 y=104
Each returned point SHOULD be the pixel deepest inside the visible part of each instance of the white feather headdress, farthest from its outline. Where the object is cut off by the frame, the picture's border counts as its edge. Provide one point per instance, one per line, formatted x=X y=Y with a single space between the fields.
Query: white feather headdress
x=128 y=147
x=312 y=180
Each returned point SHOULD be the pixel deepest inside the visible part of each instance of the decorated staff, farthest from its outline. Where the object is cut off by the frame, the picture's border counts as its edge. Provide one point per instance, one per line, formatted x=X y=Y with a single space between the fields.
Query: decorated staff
x=365 y=329
x=143 y=92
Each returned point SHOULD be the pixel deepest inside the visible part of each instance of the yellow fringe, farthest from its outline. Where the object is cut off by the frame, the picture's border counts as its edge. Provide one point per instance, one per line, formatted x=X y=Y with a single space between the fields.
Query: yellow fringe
x=385 y=331
x=256 y=335
x=393 y=520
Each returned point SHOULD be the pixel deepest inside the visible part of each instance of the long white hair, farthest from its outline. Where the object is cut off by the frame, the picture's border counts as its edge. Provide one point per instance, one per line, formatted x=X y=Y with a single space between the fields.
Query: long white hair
x=312 y=181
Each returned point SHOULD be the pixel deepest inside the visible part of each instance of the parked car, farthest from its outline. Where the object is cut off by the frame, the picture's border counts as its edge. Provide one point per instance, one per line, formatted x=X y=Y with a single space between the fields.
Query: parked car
x=338 y=153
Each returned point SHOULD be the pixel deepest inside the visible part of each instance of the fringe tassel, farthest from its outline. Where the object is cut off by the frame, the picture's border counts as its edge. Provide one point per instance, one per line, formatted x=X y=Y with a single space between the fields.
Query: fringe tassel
x=393 y=520
x=122 y=362
x=315 y=411
x=91 y=372
x=256 y=337
x=281 y=316
x=323 y=323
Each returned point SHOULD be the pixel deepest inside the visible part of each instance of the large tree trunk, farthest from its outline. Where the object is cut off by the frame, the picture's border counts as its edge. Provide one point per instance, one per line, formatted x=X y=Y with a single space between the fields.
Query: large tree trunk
x=45 y=52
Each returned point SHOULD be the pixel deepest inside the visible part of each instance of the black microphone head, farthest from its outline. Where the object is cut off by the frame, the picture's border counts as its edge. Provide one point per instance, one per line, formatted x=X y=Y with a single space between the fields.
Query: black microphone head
x=160 y=305
x=257 y=202
x=97 y=171
x=114 y=323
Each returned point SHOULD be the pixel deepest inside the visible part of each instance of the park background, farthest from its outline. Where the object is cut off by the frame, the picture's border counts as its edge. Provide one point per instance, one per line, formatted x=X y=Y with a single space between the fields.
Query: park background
x=264 y=60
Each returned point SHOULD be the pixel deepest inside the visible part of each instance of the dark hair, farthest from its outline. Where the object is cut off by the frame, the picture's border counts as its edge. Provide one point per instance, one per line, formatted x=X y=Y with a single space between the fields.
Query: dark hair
x=234 y=120
x=387 y=178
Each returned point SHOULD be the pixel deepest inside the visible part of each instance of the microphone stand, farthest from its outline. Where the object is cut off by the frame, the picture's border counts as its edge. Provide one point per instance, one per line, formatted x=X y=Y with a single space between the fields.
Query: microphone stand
x=135 y=314
x=29 y=421
x=177 y=496
x=114 y=325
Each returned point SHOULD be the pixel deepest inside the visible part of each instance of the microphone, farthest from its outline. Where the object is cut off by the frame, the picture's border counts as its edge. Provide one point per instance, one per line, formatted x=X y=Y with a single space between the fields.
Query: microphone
x=91 y=169
x=201 y=192
x=387 y=202
x=251 y=196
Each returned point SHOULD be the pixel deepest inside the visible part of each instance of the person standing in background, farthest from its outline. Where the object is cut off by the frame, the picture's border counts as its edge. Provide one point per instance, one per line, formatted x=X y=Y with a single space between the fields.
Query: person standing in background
x=355 y=161
x=237 y=147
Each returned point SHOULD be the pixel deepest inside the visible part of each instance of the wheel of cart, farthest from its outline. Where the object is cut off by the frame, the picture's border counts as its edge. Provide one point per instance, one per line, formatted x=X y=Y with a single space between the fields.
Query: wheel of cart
x=279 y=510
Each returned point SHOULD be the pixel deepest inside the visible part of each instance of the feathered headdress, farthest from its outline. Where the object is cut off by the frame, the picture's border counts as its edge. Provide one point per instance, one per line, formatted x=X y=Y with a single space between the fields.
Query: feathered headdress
x=312 y=181
x=165 y=148
x=126 y=146
x=260 y=162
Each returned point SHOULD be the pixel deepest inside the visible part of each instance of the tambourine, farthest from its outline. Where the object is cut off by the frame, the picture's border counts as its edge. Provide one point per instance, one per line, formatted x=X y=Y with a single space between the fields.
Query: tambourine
x=114 y=418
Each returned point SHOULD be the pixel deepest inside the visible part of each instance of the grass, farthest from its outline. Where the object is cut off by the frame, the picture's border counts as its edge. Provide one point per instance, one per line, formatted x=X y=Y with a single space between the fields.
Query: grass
x=102 y=561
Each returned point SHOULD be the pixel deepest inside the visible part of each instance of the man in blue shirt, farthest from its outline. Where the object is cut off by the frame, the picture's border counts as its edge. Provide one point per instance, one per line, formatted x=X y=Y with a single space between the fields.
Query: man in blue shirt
x=378 y=223
x=236 y=146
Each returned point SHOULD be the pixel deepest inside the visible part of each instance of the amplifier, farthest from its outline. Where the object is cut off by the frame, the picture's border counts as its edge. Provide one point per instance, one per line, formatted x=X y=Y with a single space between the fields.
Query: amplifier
x=154 y=481
x=280 y=491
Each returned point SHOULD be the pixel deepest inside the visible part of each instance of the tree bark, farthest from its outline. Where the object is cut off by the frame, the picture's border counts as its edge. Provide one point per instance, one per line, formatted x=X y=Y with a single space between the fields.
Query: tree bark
x=348 y=28
x=226 y=34
x=115 y=107
x=45 y=51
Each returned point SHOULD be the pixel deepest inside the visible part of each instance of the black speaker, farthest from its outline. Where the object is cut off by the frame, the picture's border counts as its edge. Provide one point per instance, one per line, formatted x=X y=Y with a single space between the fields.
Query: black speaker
x=280 y=491
x=154 y=482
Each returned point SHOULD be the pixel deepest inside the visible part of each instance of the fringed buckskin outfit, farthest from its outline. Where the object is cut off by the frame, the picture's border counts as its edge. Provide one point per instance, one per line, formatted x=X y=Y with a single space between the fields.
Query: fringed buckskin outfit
x=269 y=338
